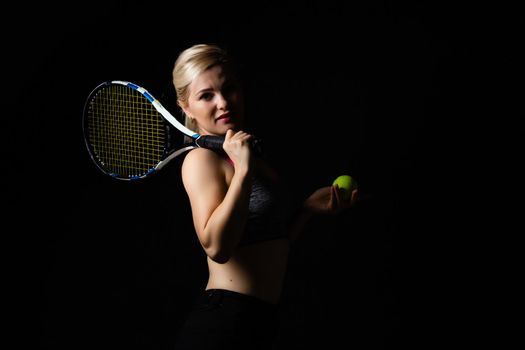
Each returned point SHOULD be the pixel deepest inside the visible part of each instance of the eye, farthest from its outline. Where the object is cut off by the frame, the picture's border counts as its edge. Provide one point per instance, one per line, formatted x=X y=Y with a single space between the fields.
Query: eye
x=206 y=96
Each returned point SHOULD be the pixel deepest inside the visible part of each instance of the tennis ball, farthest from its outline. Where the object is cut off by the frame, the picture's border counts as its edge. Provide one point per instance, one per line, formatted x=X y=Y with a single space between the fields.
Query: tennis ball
x=347 y=184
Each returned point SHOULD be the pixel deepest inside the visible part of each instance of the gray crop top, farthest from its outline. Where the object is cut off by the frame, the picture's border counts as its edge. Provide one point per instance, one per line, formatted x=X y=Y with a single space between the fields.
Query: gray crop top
x=268 y=210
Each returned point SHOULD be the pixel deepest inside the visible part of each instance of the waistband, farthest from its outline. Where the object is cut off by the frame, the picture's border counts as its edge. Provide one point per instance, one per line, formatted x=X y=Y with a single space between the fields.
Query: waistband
x=225 y=295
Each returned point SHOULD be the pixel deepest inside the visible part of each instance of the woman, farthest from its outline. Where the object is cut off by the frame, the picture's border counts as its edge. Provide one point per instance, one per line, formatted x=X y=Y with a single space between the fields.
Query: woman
x=239 y=211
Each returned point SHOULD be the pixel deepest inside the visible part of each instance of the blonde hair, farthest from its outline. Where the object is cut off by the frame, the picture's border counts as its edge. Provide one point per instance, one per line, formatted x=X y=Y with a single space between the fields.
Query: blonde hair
x=190 y=63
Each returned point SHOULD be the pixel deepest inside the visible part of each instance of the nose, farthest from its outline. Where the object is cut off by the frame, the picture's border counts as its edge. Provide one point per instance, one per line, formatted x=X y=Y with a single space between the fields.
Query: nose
x=222 y=102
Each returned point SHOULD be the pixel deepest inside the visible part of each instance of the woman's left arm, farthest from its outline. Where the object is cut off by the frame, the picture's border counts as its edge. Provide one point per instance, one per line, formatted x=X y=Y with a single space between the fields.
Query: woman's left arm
x=324 y=201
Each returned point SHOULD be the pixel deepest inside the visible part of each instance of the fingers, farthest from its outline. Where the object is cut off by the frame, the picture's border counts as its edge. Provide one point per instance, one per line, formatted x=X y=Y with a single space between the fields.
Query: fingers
x=335 y=199
x=354 y=196
x=237 y=147
x=340 y=202
x=229 y=134
x=239 y=136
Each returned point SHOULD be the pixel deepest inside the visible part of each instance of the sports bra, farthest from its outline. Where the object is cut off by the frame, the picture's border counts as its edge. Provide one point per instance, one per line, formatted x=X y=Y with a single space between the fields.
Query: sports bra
x=267 y=211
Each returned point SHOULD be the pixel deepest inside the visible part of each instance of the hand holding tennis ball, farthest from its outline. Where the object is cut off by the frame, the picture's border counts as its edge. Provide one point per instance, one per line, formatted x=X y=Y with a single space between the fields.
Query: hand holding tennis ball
x=346 y=184
x=323 y=201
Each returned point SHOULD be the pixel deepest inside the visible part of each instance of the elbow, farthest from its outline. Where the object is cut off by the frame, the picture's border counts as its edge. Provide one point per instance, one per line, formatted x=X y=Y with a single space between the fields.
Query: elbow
x=218 y=246
x=219 y=255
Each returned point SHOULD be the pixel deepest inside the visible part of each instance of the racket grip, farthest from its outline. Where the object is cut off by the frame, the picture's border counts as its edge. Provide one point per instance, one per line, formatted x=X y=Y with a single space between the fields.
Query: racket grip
x=211 y=142
x=215 y=143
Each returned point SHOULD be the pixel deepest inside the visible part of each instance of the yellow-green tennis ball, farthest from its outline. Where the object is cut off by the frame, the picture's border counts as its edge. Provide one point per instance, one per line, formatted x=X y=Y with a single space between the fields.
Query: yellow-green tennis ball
x=347 y=184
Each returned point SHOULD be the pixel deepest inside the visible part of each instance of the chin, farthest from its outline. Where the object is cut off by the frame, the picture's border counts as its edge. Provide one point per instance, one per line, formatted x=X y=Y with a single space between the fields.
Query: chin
x=232 y=126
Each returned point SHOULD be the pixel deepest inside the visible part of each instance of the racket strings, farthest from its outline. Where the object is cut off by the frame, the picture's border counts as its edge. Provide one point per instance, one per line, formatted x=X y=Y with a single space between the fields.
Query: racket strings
x=126 y=132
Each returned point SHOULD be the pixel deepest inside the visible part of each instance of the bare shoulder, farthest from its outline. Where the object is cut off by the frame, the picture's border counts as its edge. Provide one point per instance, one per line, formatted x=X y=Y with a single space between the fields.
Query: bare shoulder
x=201 y=164
x=201 y=157
x=204 y=180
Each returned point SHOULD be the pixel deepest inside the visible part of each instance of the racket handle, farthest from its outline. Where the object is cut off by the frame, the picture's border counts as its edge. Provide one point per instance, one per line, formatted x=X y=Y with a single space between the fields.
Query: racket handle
x=215 y=143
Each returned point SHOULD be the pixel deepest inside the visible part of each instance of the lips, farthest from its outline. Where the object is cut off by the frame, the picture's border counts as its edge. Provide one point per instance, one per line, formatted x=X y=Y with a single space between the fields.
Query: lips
x=226 y=117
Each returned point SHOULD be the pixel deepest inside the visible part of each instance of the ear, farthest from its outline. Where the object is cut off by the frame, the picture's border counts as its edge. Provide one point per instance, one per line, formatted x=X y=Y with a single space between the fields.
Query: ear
x=187 y=115
x=185 y=110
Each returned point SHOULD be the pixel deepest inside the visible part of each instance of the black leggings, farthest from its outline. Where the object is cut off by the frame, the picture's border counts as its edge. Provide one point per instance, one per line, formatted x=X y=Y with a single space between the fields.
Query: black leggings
x=222 y=319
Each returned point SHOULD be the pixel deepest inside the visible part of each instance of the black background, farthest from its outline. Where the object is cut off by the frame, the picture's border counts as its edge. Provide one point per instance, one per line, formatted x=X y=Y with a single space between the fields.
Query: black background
x=391 y=94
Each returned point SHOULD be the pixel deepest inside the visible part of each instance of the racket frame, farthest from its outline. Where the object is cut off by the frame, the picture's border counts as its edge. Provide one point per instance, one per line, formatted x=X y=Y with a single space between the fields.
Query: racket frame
x=168 y=119
x=203 y=141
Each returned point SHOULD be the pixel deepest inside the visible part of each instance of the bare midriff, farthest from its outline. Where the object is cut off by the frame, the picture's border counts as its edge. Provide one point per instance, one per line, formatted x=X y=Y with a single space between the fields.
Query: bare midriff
x=257 y=270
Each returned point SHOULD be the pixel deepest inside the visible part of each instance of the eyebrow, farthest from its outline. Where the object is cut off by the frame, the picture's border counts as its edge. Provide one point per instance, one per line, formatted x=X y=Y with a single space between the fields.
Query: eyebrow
x=204 y=90
x=226 y=82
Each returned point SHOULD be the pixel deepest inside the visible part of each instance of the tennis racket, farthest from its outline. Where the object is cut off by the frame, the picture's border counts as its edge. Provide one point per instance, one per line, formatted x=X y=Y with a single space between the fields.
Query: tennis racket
x=130 y=135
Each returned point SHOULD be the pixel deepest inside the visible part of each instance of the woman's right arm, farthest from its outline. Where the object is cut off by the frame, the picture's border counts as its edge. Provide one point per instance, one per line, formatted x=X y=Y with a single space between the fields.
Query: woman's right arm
x=219 y=211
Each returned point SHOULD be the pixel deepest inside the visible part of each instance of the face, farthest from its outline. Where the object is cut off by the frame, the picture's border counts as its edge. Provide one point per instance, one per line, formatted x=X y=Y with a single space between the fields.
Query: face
x=215 y=102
